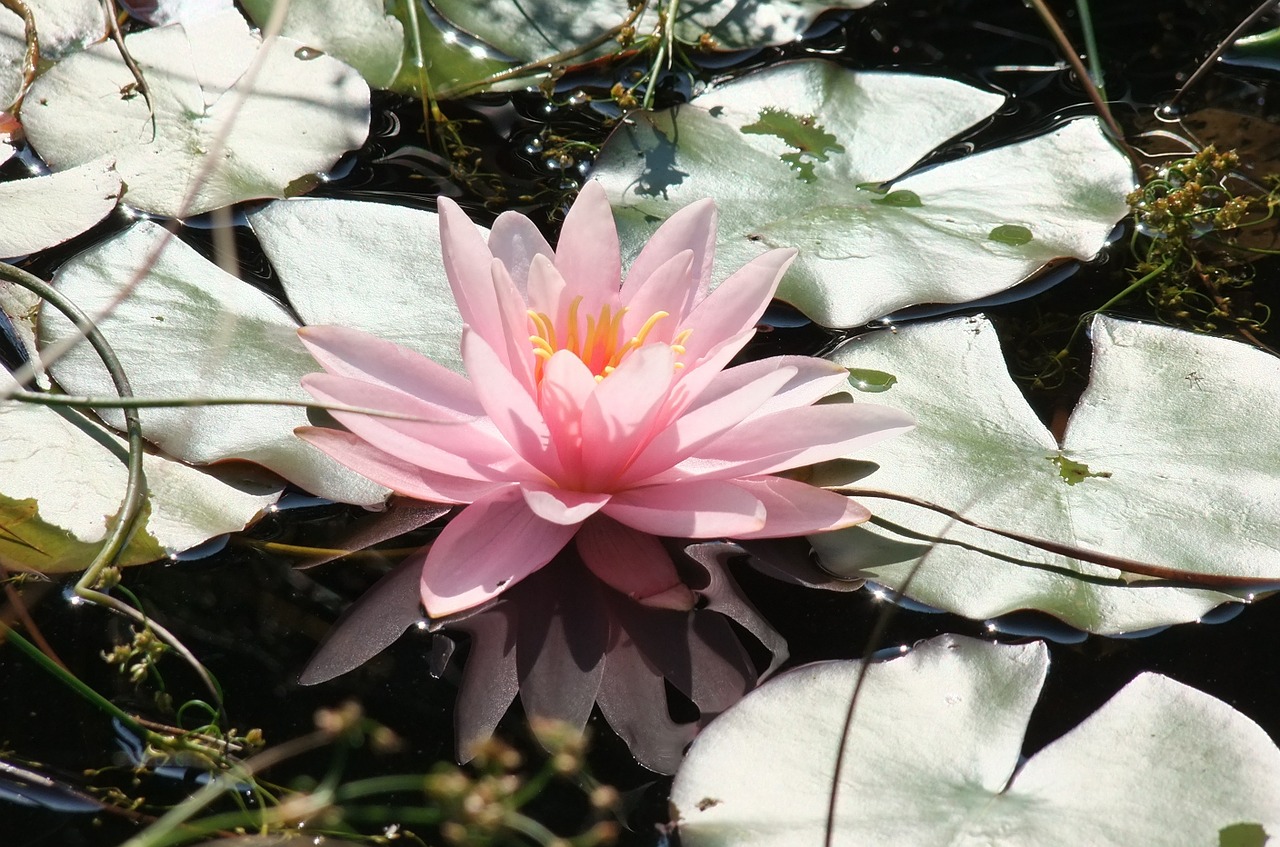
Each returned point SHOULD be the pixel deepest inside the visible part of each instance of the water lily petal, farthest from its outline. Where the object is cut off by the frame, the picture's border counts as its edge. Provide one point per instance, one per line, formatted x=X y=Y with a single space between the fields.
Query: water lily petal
x=618 y=418
x=510 y=407
x=560 y=505
x=470 y=449
x=794 y=508
x=692 y=381
x=546 y=289
x=515 y=240
x=691 y=228
x=587 y=253
x=467 y=263
x=704 y=423
x=634 y=563
x=813 y=379
x=692 y=509
x=566 y=385
x=793 y=438
x=667 y=289
x=402 y=477
x=491 y=545
x=516 y=352
x=736 y=304
x=352 y=353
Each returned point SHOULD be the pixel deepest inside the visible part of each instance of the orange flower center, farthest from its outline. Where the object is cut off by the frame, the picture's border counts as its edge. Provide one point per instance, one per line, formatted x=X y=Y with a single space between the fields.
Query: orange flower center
x=598 y=340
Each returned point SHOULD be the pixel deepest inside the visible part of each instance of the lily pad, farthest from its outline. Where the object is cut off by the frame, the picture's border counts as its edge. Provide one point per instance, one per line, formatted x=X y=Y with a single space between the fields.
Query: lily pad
x=1171 y=457
x=42 y=211
x=62 y=27
x=532 y=30
x=62 y=479
x=370 y=266
x=358 y=33
x=823 y=175
x=932 y=758
x=188 y=329
x=266 y=133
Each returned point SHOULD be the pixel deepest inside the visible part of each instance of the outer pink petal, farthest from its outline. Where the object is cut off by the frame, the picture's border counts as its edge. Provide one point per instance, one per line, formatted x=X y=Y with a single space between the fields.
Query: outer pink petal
x=587 y=252
x=491 y=545
x=560 y=505
x=694 y=509
x=704 y=423
x=515 y=240
x=668 y=289
x=351 y=353
x=400 y=476
x=512 y=410
x=736 y=304
x=794 y=438
x=794 y=508
x=619 y=416
x=691 y=228
x=812 y=379
x=634 y=563
x=469 y=449
x=467 y=263
x=566 y=385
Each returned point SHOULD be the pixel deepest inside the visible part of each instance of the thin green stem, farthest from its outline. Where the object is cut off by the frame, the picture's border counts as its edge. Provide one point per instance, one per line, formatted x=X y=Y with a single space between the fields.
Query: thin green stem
x=1091 y=46
x=42 y=398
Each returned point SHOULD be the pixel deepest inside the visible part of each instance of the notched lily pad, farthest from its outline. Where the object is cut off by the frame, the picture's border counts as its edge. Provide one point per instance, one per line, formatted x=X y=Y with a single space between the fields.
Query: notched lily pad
x=933 y=759
x=1156 y=465
x=871 y=240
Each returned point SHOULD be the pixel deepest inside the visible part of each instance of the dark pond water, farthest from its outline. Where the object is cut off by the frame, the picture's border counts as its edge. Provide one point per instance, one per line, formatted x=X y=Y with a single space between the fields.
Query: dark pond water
x=254 y=620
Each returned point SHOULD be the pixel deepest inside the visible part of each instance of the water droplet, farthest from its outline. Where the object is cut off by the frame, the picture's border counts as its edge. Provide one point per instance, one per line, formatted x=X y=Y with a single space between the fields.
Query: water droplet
x=953 y=699
x=579 y=98
x=534 y=146
x=1169 y=113
x=306 y=54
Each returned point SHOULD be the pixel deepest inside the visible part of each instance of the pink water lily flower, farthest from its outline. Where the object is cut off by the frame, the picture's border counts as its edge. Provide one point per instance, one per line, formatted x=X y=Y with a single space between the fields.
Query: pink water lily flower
x=598 y=410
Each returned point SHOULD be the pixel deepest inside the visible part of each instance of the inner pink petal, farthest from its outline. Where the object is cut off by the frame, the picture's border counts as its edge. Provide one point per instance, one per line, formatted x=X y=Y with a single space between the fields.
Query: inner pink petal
x=566 y=385
x=587 y=252
x=618 y=418
x=560 y=505
x=668 y=289
x=691 y=228
x=737 y=303
x=467 y=259
x=515 y=240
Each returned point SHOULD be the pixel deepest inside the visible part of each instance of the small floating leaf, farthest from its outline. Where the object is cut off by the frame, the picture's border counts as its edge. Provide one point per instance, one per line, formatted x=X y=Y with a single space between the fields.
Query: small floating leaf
x=901 y=199
x=1074 y=472
x=1242 y=835
x=872 y=382
x=812 y=143
x=1011 y=234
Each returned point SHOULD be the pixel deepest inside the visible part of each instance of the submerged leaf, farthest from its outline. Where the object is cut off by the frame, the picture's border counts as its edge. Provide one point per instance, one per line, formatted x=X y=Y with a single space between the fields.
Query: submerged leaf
x=933 y=758
x=870 y=240
x=1158 y=464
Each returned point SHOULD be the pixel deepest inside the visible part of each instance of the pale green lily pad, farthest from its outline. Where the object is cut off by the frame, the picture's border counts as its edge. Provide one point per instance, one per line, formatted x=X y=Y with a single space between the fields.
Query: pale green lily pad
x=357 y=32
x=933 y=759
x=41 y=211
x=62 y=479
x=1171 y=457
x=370 y=266
x=822 y=175
x=532 y=30
x=62 y=27
x=296 y=117
x=188 y=329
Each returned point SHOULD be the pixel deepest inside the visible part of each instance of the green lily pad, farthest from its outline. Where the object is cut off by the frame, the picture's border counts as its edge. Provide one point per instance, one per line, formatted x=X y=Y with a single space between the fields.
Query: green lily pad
x=62 y=27
x=296 y=117
x=1171 y=458
x=188 y=329
x=932 y=758
x=62 y=479
x=824 y=176
x=532 y=30
x=357 y=32
x=41 y=211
